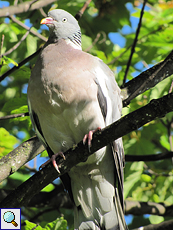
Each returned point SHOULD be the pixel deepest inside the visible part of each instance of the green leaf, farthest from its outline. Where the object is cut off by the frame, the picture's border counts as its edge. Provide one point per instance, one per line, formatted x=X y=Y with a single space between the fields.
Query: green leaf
x=31 y=44
x=22 y=73
x=20 y=176
x=8 y=60
x=130 y=182
x=29 y=225
x=16 y=104
x=48 y=188
x=145 y=178
x=137 y=166
x=86 y=42
x=44 y=154
x=61 y=224
x=156 y=219
x=156 y=198
x=164 y=142
x=58 y=224
x=22 y=109
x=7 y=142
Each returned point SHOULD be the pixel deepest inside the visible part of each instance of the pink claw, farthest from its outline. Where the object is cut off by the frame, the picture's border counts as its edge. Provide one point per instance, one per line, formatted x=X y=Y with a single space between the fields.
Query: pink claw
x=89 y=136
x=53 y=161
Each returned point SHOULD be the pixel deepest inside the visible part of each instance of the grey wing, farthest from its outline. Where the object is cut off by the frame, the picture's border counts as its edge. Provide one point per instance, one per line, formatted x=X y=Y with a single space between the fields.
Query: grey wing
x=36 y=125
x=110 y=103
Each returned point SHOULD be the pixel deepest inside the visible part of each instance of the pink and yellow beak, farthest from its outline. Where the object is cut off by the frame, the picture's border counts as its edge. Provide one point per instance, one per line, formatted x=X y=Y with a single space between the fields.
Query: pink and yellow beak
x=46 y=21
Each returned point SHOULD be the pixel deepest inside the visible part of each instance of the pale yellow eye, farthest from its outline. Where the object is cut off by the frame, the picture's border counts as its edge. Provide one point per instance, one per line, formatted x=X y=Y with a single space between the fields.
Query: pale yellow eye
x=64 y=20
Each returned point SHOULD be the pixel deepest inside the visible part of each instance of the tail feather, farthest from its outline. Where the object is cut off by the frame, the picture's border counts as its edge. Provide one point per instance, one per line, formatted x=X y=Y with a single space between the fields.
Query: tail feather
x=97 y=200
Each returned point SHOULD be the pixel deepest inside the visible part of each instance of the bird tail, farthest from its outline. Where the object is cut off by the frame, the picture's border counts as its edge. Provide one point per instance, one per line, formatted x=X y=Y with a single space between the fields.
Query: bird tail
x=113 y=220
x=97 y=203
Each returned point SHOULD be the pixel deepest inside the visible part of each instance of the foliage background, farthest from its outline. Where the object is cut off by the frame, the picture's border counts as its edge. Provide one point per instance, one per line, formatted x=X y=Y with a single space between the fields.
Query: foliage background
x=102 y=20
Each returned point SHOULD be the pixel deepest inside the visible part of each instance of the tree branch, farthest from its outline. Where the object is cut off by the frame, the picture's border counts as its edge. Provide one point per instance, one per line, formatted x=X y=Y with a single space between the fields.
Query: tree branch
x=10 y=71
x=156 y=108
x=19 y=156
x=151 y=157
x=14 y=116
x=147 y=79
x=24 y=7
x=58 y=198
x=82 y=10
x=28 y=28
x=131 y=207
x=7 y=165
x=16 y=45
x=140 y=208
x=166 y=225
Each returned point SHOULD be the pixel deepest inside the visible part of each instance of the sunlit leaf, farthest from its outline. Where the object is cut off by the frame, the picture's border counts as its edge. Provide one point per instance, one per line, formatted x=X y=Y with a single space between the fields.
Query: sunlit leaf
x=156 y=219
x=7 y=142
x=8 y=60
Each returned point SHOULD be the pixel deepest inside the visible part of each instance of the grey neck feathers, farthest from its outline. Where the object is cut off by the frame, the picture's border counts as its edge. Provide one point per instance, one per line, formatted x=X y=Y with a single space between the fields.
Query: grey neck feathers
x=75 y=38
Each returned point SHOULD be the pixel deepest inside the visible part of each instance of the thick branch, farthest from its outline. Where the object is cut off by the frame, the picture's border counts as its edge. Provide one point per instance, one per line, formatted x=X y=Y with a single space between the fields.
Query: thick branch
x=11 y=166
x=151 y=157
x=131 y=207
x=58 y=198
x=140 y=208
x=24 y=7
x=19 y=156
x=166 y=225
x=128 y=123
x=148 y=79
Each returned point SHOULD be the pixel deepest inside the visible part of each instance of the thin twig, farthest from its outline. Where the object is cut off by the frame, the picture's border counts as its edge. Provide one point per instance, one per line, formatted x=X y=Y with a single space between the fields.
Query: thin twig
x=2 y=42
x=10 y=71
x=42 y=12
x=134 y=43
x=81 y=11
x=152 y=172
x=96 y=40
x=34 y=170
x=16 y=45
x=28 y=28
x=145 y=85
x=15 y=2
x=139 y=40
x=170 y=89
x=14 y=116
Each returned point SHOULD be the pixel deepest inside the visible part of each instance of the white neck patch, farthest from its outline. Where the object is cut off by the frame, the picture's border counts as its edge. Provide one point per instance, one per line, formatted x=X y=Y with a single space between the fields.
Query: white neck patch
x=75 y=46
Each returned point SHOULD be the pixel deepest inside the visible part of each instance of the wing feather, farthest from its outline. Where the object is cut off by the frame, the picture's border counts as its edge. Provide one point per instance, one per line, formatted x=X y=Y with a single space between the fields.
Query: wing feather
x=113 y=95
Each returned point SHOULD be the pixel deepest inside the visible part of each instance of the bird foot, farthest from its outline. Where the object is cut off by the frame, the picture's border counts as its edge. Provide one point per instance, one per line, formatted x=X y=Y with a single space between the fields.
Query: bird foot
x=89 y=136
x=53 y=159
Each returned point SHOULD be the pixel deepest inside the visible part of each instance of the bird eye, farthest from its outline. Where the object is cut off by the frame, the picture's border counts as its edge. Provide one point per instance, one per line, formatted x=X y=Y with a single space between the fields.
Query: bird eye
x=64 y=20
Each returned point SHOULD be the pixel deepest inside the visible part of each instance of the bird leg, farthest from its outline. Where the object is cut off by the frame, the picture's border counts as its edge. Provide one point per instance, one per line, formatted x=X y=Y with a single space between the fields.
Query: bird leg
x=89 y=136
x=53 y=159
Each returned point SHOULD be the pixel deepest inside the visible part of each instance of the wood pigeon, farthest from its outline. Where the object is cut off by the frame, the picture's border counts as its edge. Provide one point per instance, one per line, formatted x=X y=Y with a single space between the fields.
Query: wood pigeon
x=71 y=93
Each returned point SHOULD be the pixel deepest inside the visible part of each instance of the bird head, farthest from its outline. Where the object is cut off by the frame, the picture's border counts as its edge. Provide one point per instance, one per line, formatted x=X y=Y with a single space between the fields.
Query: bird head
x=61 y=24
